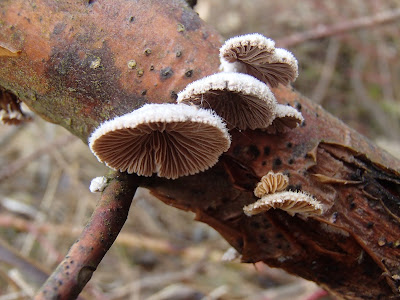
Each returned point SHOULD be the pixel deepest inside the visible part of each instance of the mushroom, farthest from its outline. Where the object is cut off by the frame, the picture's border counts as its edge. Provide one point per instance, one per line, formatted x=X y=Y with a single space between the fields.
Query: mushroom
x=271 y=183
x=240 y=99
x=10 y=109
x=291 y=202
x=256 y=55
x=286 y=117
x=171 y=140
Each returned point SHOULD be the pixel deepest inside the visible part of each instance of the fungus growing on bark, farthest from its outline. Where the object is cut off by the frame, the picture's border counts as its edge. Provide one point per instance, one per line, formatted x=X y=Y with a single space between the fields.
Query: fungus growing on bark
x=240 y=99
x=10 y=109
x=286 y=118
x=98 y=184
x=271 y=183
x=256 y=55
x=171 y=140
x=291 y=202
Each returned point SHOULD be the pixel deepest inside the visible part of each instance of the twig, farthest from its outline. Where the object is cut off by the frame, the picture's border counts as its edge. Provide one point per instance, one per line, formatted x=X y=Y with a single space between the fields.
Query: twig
x=339 y=28
x=327 y=72
x=124 y=238
x=382 y=120
x=11 y=257
x=19 y=164
x=110 y=214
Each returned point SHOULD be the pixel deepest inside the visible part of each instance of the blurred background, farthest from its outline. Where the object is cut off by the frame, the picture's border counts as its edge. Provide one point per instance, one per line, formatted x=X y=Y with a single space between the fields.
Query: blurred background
x=45 y=172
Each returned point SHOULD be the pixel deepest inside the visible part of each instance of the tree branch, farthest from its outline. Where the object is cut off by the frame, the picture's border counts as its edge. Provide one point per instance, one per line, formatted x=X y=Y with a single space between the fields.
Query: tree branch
x=73 y=70
x=110 y=214
x=341 y=27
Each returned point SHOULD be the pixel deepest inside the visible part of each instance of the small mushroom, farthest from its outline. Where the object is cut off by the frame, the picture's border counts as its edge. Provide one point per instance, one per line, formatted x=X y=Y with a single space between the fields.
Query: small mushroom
x=286 y=118
x=291 y=202
x=271 y=183
x=240 y=99
x=171 y=140
x=256 y=55
x=98 y=184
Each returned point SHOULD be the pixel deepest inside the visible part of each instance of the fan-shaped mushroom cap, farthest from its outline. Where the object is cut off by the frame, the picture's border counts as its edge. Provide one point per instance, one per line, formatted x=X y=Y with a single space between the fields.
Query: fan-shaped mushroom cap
x=240 y=99
x=256 y=55
x=271 y=183
x=286 y=118
x=171 y=140
x=291 y=202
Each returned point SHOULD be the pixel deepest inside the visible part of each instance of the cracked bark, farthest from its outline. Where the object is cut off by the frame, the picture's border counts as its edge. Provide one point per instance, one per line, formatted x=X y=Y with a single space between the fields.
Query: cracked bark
x=81 y=64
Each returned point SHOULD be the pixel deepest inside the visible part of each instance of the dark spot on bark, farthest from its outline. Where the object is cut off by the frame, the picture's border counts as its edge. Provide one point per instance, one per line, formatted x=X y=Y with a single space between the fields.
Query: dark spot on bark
x=289 y=145
x=277 y=162
x=205 y=35
x=143 y=93
x=352 y=205
x=263 y=239
x=174 y=95
x=253 y=151
x=189 y=73
x=263 y=163
x=71 y=262
x=166 y=73
x=291 y=161
x=255 y=225
x=90 y=2
x=60 y=282
x=279 y=235
x=267 y=150
x=190 y=20
x=370 y=225
x=297 y=105
x=58 y=28
x=131 y=19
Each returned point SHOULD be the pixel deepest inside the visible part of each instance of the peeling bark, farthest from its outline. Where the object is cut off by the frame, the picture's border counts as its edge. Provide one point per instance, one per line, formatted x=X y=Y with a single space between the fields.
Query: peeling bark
x=75 y=68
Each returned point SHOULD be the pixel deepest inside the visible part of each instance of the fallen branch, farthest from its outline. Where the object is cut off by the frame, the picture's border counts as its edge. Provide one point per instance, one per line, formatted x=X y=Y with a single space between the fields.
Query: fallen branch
x=83 y=74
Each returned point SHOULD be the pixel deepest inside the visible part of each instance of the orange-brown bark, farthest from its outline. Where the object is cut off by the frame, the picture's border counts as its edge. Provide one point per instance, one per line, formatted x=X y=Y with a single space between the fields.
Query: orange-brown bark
x=73 y=70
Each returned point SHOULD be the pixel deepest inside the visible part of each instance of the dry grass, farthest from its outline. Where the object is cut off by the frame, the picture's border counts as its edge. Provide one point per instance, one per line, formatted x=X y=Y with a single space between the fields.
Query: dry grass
x=45 y=172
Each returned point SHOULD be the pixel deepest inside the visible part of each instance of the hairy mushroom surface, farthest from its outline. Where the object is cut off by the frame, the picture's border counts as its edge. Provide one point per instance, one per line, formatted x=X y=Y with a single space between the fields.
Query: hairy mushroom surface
x=256 y=55
x=286 y=118
x=271 y=183
x=291 y=202
x=240 y=99
x=171 y=140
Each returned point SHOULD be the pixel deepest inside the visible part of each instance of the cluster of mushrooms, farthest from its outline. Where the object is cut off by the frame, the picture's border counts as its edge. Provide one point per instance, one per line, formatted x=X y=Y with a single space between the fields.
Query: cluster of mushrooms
x=187 y=137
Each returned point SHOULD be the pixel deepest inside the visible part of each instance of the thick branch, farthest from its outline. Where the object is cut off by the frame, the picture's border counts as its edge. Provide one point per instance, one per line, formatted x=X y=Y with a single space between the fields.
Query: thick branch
x=73 y=70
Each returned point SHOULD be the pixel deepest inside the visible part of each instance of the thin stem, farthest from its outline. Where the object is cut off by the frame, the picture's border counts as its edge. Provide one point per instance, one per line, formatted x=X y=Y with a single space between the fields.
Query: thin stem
x=110 y=214
x=323 y=31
